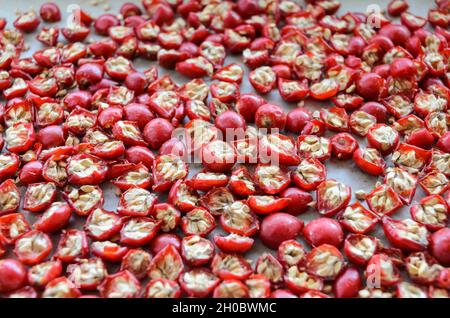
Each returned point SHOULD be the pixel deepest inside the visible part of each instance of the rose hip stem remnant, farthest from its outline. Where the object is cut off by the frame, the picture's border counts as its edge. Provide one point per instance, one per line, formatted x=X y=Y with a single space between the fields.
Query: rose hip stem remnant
x=78 y=115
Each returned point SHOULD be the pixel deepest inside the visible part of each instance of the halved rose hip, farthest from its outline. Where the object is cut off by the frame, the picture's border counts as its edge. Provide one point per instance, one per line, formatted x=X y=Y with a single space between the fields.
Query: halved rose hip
x=332 y=197
x=9 y=197
x=86 y=169
x=41 y=274
x=88 y=273
x=102 y=224
x=272 y=179
x=381 y=269
x=432 y=211
x=325 y=261
x=166 y=264
x=241 y=182
x=73 y=244
x=422 y=268
x=122 y=284
x=167 y=169
x=278 y=147
x=218 y=156
x=61 y=287
x=266 y=204
x=136 y=261
x=360 y=122
x=196 y=251
x=402 y=182
x=268 y=266
x=138 y=231
x=383 y=138
x=263 y=79
x=54 y=218
x=33 y=247
x=162 y=288
x=19 y=137
x=357 y=219
x=9 y=164
x=383 y=200
x=13 y=226
x=39 y=196
x=406 y=234
x=360 y=248
x=198 y=221
x=137 y=176
x=205 y=180
x=85 y=199
x=198 y=282
x=136 y=202
x=434 y=182
x=410 y=157
x=309 y=174
x=128 y=132
x=369 y=160
x=233 y=243
x=231 y=289
x=229 y=266
x=182 y=196
x=108 y=251
x=312 y=146
x=237 y=218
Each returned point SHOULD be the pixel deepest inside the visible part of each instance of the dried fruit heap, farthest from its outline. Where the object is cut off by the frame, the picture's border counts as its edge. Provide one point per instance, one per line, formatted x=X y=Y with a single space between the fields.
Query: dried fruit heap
x=78 y=115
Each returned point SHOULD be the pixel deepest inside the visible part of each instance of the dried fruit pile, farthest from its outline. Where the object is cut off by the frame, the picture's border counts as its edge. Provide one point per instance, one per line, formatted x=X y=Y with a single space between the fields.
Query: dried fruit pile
x=78 y=116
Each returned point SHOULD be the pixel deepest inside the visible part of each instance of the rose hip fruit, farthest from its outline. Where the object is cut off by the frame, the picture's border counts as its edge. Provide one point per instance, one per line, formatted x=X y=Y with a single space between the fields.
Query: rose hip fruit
x=279 y=227
x=157 y=132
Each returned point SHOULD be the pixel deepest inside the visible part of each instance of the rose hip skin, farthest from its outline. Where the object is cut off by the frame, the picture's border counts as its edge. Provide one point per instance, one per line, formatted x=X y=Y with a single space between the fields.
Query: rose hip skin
x=299 y=200
x=50 y=12
x=297 y=119
x=279 y=227
x=270 y=116
x=440 y=245
x=157 y=132
x=323 y=231
x=13 y=275
x=248 y=104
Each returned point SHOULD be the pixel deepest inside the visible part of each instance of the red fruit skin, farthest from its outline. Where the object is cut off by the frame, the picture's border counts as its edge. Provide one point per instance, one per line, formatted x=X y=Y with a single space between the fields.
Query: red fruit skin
x=444 y=142
x=282 y=293
x=31 y=172
x=157 y=132
x=323 y=231
x=50 y=12
x=230 y=120
x=279 y=227
x=348 y=283
x=139 y=113
x=377 y=110
x=51 y=136
x=297 y=119
x=397 y=33
x=422 y=138
x=440 y=246
x=248 y=104
x=299 y=200
x=163 y=240
x=13 y=275
x=370 y=86
x=270 y=116
x=140 y=154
